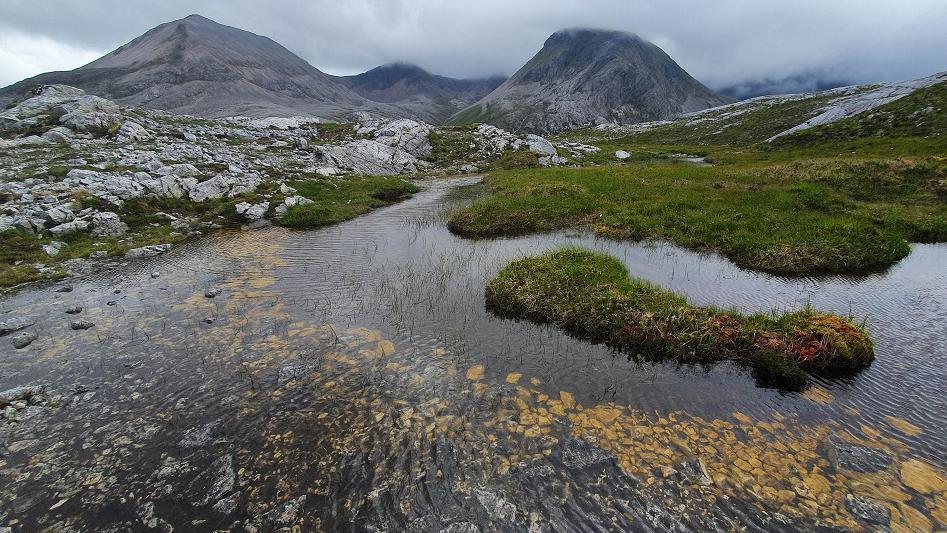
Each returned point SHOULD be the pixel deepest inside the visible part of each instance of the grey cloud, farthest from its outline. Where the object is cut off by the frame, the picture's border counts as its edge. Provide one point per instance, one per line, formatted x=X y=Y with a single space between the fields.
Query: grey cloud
x=724 y=43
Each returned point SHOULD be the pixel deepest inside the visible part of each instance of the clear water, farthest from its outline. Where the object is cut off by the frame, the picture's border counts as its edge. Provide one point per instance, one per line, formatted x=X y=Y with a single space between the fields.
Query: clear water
x=350 y=378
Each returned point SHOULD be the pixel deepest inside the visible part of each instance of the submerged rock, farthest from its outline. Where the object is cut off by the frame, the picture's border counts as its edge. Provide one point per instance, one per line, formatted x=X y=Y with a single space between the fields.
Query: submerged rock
x=15 y=324
x=868 y=510
x=842 y=454
x=22 y=339
x=286 y=514
x=577 y=454
x=23 y=393
x=213 y=483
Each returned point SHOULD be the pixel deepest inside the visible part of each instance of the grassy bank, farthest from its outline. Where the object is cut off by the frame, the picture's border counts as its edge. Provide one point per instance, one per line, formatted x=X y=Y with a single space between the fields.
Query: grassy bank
x=591 y=296
x=338 y=199
x=797 y=216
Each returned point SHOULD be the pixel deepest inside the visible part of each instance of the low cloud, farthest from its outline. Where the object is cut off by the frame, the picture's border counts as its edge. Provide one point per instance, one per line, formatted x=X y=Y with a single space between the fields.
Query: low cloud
x=727 y=44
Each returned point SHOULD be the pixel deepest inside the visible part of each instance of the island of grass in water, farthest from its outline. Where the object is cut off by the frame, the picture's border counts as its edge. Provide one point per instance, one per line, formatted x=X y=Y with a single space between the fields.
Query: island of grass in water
x=591 y=295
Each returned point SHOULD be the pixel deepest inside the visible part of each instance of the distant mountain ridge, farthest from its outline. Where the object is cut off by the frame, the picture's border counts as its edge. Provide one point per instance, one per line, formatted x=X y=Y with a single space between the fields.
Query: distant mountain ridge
x=198 y=67
x=583 y=77
x=429 y=96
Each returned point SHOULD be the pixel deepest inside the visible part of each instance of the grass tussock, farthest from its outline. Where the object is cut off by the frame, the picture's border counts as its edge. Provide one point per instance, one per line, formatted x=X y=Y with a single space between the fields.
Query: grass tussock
x=337 y=199
x=798 y=217
x=590 y=295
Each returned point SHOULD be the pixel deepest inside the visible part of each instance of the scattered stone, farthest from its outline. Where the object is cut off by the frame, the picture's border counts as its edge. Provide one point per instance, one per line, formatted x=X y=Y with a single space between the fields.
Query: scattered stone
x=22 y=339
x=53 y=248
x=212 y=293
x=189 y=137
x=540 y=146
x=252 y=212
x=133 y=131
x=147 y=251
x=69 y=227
x=59 y=215
x=155 y=275
x=23 y=393
x=107 y=224
x=621 y=154
x=868 y=510
x=15 y=324
x=81 y=324
x=695 y=471
x=64 y=288
x=577 y=454
x=74 y=310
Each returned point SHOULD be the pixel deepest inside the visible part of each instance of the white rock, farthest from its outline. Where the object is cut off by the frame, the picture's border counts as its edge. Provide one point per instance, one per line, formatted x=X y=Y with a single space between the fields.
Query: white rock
x=621 y=154
x=53 y=248
x=107 y=224
x=133 y=131
x=59 y=134
x=253 y=212
x=59 y=215
x=539 y=145
x=147 y=251
x=69 y=227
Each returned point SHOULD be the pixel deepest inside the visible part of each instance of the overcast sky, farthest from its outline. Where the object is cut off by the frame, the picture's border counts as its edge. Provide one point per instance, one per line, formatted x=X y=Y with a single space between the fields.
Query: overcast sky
x=783 y=44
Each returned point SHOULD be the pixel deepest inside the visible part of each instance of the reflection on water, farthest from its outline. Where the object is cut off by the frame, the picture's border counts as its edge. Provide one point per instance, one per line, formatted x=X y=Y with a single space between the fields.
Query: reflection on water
x=349 y=378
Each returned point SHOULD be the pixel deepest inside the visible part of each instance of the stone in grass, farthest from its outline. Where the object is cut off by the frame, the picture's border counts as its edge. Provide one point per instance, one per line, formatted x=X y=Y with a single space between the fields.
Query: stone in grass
x=147 y=251
x=621 y=154
x=81 y=324
x=22 y=339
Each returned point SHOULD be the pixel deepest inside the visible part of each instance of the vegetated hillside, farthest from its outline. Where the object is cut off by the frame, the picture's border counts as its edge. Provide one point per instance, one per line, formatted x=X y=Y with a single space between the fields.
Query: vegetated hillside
x=913 y=108
x=586 y=77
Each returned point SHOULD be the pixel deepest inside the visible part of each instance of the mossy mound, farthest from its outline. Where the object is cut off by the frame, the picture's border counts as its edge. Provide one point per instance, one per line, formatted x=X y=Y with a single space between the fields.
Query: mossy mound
x=590 y=295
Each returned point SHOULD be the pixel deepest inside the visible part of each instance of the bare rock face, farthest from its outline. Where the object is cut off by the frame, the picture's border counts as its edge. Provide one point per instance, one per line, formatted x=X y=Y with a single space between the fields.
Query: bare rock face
x=587 y=77
x=235 y=72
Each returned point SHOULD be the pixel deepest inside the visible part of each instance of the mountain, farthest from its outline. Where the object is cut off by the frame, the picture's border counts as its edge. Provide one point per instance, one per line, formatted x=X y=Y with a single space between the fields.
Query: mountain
x=583 y=77
x=199 y=67
x=428 y=96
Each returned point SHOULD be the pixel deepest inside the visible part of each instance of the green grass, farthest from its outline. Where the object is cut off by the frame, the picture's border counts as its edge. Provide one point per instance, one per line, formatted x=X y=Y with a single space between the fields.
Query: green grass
x=591 y=295
x=20 y=251
x=813 y=216
x=451 y=146
x=339 y=199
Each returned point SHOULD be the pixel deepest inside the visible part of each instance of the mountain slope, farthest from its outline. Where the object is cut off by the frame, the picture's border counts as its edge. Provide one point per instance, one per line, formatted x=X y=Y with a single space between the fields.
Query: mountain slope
x=424 y=95
x=583 y=77
x=197 y=66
